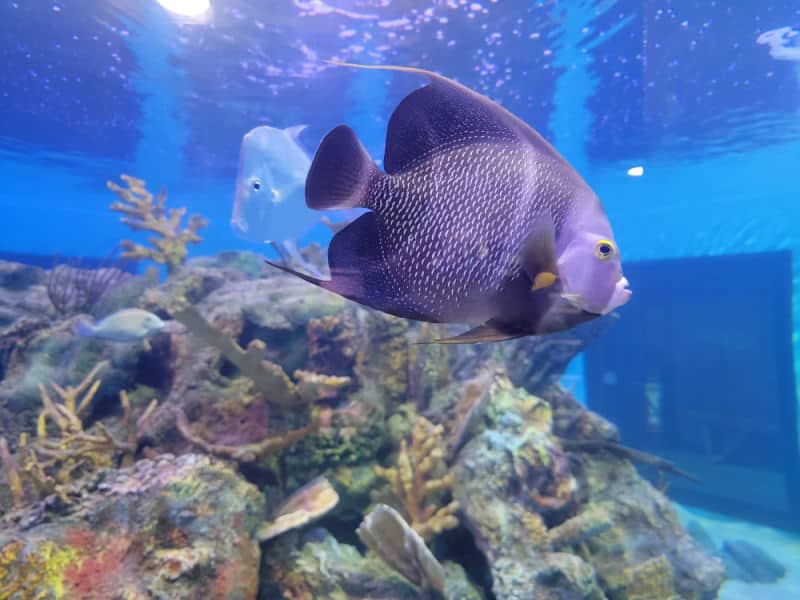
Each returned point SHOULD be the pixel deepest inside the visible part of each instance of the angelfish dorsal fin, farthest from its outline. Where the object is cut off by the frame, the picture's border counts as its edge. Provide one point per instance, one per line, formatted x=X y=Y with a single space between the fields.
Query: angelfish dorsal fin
x=538 y=254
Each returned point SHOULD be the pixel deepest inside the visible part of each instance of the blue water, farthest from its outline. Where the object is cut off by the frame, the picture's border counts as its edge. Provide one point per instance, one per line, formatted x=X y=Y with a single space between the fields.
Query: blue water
x=682 y=88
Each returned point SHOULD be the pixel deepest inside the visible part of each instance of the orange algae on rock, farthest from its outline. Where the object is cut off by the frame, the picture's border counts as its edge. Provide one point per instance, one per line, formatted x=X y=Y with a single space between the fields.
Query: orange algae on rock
x=174 y=527
x=243 y=452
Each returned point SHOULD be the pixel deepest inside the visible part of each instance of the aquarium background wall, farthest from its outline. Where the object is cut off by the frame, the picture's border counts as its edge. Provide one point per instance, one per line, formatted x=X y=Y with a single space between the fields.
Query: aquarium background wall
x=682 y=89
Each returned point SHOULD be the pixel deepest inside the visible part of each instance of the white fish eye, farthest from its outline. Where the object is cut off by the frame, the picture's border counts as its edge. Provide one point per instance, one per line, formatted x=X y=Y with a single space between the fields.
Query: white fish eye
x=256 y=185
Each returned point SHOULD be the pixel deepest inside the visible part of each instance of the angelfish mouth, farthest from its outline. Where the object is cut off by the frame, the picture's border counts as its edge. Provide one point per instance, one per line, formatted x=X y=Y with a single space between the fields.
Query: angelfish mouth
x=620 y=296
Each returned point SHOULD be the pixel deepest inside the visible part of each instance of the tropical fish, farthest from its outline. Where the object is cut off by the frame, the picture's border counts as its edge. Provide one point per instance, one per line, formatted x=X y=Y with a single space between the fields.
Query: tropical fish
x=784 y=43
x=477 y=220
x=269 y=204
x=126 y=325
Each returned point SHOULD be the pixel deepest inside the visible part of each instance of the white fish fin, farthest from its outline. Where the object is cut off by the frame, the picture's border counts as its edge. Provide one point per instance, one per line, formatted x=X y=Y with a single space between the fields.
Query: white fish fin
x=295 y=130
x=84 y=329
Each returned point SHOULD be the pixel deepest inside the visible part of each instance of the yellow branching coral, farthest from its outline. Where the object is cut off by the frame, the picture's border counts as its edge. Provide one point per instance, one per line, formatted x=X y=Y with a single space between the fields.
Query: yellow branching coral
x=420 y=481
x=19 y=573
x=144 y=213
x=50 y=462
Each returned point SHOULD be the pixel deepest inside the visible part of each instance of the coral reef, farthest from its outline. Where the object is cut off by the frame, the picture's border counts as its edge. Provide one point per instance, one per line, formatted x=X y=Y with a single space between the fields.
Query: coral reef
x=420 y=480
x=326 y=568
x=550 y=525
x=169 y=528
x=267 y=376
x=144 y=213
x=472 y=459
x=385 y=360
x=72 y=289
x=50 y=463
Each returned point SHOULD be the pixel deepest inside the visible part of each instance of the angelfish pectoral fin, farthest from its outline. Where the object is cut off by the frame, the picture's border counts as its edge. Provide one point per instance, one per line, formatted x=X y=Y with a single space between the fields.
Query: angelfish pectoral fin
x=538 y=254
x=481 y=334
x=544 y=280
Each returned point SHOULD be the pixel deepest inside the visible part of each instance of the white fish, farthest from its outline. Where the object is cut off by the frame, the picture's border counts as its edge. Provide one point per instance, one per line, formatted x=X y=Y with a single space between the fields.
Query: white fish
x=270 y=204
x=126 y=325
x=784 y=43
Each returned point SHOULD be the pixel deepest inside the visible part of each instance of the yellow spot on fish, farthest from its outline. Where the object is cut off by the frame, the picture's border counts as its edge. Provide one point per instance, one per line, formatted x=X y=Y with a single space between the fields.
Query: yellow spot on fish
x=543 y=280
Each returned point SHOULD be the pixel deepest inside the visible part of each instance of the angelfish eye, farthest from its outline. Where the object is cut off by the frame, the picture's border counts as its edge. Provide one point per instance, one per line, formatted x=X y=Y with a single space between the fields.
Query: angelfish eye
x=604 y=249
x=256 y=185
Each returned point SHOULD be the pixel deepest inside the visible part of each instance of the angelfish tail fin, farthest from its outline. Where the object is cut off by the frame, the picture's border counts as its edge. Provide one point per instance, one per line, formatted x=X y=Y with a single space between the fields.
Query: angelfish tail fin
x=341 y=172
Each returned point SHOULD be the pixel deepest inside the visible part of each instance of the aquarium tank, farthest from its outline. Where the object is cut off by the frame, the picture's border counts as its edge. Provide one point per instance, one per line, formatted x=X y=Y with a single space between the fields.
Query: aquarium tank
x=399 y=299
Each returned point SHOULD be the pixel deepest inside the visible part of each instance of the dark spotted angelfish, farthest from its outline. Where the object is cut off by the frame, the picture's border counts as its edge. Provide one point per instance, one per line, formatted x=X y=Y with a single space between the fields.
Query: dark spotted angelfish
x=477 y=220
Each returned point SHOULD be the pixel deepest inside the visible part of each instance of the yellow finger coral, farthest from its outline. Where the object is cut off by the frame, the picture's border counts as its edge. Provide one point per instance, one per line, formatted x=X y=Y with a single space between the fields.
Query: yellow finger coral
x=63 y=449
x=420 y=481
x=143 y=213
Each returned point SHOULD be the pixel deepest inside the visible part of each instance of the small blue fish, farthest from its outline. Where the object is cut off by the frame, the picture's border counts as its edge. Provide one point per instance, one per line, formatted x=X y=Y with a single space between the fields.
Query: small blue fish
x=476 y=219
x=126 y=325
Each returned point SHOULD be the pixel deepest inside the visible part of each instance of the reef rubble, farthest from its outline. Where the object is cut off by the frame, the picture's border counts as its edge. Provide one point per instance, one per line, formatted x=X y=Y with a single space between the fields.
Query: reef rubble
x=285 y=421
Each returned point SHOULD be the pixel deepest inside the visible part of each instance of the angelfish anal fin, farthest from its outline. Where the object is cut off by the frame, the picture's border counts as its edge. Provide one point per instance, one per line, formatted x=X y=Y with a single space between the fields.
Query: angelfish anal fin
x=538 y=254
x=488 y=332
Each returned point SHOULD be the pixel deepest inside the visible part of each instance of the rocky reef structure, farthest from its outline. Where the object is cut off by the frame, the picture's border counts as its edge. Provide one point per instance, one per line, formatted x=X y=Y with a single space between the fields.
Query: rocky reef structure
x=173 y=527
x=276 y=441
x=553 y=522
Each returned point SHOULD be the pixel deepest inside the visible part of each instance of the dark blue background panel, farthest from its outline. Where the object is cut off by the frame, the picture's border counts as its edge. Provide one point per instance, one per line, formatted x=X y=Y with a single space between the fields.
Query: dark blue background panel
x=699 y=370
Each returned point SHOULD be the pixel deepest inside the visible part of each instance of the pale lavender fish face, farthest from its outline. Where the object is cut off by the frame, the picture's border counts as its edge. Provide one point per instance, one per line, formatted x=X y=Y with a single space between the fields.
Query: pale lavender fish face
x=269 y=204
x=590 y=266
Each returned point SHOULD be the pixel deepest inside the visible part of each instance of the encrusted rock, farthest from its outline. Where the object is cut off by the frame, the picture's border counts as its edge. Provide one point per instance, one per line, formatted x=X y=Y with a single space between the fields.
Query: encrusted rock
x=167 y=528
